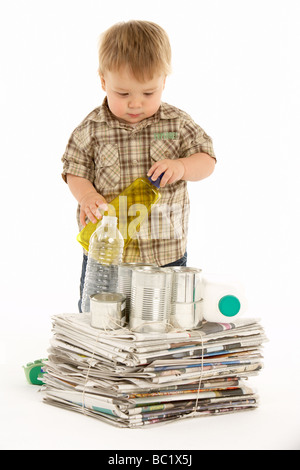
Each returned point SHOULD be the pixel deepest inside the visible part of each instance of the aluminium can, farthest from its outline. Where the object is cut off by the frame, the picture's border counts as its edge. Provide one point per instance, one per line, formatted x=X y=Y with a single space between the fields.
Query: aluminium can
x=124 y=282
x=151 y=293
x=107 y=310
x=187 y=316
x=187 y=284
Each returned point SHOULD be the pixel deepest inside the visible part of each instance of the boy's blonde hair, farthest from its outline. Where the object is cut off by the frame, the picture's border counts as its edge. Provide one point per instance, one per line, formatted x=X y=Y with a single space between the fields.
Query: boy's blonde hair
x=142 y=46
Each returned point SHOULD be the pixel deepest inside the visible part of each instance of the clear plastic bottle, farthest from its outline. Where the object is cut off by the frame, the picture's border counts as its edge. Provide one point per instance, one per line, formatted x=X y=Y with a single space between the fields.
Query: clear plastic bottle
x=105 y=254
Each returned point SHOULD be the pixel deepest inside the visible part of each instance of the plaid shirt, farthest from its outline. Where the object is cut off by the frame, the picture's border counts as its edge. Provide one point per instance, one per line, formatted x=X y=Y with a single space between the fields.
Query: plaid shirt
x=112 y=154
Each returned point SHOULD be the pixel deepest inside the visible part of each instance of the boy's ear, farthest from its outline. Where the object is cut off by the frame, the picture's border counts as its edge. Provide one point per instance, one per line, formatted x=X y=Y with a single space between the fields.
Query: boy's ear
x=102 y=82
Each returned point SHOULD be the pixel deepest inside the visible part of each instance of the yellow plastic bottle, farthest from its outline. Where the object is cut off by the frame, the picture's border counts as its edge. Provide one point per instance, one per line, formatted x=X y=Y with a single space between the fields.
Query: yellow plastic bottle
x=137 y=198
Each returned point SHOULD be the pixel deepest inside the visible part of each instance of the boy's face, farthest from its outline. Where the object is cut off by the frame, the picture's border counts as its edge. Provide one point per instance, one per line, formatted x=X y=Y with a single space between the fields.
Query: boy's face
x=130 y=100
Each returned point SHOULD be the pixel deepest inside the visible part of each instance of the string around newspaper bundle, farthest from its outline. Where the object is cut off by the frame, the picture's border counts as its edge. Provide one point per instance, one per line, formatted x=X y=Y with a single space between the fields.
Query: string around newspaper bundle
x=187 y=415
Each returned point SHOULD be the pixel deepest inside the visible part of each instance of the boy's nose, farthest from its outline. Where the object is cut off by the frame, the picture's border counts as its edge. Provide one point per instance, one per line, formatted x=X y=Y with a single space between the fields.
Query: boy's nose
x=134 y=104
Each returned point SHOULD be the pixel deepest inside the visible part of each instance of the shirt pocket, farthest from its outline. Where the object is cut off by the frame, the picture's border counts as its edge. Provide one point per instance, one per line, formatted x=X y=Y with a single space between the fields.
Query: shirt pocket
x=162 y=149
x=108 y=171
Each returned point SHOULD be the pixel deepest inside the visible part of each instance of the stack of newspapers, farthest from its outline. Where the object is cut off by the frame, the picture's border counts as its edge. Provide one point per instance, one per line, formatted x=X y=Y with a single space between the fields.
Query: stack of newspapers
x=134 y=379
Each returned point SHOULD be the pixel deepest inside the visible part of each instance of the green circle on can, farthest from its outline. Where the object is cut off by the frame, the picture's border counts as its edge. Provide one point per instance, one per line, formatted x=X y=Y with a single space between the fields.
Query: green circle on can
x=229 y=305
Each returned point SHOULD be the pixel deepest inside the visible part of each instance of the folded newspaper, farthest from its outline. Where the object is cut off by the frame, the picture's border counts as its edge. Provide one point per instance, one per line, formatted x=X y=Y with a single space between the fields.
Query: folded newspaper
x=134 y=379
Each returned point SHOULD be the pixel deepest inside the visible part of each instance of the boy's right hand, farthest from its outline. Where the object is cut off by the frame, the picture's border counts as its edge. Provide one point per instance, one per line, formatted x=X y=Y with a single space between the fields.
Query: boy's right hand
x=90 y=206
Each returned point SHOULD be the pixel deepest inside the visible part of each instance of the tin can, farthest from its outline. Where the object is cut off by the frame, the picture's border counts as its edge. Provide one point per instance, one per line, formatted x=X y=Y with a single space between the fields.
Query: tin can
x=107 y=310
x=187 y=284
x=187 y=316
x=124 y=282
x=151 y=292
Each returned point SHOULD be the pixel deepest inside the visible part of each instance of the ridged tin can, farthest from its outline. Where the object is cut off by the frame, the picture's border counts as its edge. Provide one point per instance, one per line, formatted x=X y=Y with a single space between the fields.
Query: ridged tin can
x=107 y=310
x=151 y=293
x=124 y=282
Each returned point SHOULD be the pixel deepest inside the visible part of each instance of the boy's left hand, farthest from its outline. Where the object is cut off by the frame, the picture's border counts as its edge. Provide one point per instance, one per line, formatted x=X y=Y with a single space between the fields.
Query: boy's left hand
x=173 y=169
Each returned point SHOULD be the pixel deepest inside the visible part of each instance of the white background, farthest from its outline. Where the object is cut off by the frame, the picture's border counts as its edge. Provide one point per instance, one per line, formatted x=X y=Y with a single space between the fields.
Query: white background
x=236 y=72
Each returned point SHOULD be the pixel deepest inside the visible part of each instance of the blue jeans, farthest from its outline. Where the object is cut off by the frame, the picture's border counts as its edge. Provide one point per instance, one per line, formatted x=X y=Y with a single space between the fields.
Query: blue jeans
x=180 y=262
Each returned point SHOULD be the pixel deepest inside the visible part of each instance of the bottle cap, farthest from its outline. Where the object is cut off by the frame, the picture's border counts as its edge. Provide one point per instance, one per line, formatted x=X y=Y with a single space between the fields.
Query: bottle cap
x=156 y=183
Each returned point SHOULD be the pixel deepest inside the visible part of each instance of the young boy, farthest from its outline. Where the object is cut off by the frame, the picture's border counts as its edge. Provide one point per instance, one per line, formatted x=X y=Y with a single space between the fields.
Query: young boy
x=134 y=134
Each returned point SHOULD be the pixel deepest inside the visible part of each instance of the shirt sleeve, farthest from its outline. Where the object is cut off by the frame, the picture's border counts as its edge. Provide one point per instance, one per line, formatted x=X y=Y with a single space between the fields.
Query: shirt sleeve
x=194 y=140
x=78 y=158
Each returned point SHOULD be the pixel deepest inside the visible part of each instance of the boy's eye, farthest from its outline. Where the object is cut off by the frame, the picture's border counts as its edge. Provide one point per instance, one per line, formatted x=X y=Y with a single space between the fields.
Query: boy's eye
x=123 y=94
x=148 y=94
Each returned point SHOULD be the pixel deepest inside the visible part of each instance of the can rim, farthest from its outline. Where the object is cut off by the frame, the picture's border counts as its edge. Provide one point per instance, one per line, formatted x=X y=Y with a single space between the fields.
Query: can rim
x=153 y=269
x=110 y=297
x=185 y=269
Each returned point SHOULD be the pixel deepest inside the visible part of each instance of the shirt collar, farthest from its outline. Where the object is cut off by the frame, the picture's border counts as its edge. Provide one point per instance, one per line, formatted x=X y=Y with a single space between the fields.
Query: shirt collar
x=105 y=115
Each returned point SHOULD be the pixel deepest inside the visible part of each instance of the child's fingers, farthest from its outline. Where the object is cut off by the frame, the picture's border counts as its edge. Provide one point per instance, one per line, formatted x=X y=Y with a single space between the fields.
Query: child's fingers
x=101 y=205
x=101 y=208
x=158 y=170
x=82 y=218
x=151 y=170
x=166 y=178
x=155 y=166
x=91 y=213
